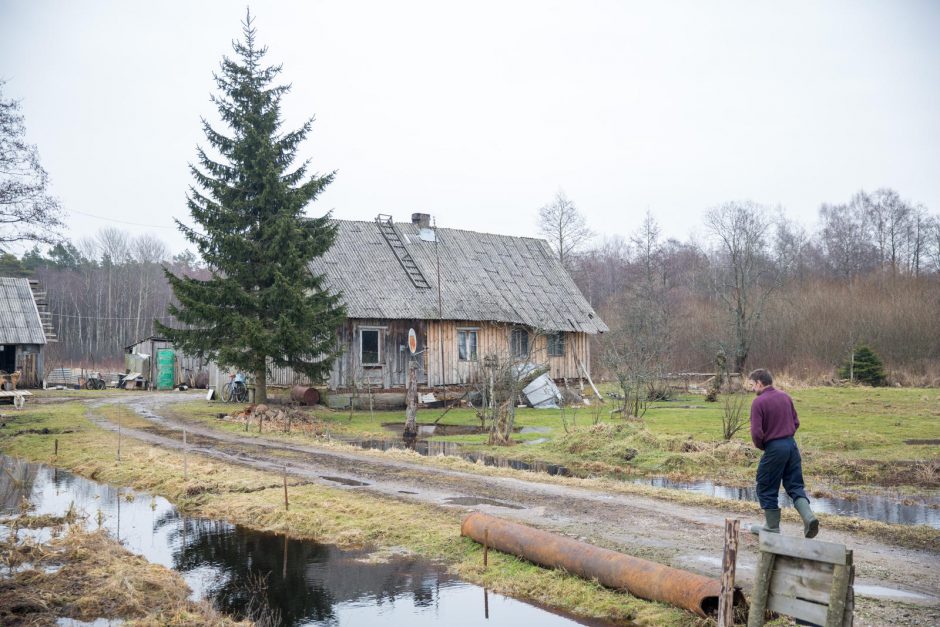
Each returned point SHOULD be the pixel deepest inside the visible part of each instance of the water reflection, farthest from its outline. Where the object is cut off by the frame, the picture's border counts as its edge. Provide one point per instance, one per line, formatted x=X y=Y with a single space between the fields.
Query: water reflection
x=897 y=510
x=431 y=448
x=265 y=576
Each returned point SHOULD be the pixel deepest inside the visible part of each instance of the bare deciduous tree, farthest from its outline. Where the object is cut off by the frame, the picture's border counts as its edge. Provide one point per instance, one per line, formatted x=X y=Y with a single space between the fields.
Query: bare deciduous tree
x=564 y=227
x=744 y=278
x=28 y=212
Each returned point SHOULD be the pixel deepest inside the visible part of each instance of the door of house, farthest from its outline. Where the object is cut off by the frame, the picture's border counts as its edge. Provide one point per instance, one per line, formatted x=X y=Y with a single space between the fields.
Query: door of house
x=7 y=357
x=29 y=376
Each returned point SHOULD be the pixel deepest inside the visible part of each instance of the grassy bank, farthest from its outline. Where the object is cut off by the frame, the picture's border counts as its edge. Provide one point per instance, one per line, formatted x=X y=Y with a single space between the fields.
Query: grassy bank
x=345 y=518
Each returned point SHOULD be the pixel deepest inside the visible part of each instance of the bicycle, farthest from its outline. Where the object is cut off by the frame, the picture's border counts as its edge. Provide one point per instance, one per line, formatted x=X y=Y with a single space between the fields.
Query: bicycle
x=235 y=391
x=94 y=382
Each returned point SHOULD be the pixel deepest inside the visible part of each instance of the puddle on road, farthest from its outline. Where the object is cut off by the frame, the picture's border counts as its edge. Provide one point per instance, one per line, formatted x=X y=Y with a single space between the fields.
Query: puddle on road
x=431 y=448
x=471 y=500
x=886 y=509
x=344 y=480
x=305 y=583
x=881 y=592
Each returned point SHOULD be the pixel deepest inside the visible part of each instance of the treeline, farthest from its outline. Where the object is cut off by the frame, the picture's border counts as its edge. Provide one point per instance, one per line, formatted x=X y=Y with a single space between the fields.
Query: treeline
x=766 y=291
x=103 y=292
x=760 y=288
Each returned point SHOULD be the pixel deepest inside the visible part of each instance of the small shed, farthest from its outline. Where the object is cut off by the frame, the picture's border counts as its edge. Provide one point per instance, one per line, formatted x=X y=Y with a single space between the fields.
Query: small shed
x=161 y=364
x=23 y=331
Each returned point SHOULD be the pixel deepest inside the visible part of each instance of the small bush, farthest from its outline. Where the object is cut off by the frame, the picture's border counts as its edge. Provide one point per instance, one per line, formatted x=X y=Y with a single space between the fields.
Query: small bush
x=864 y=366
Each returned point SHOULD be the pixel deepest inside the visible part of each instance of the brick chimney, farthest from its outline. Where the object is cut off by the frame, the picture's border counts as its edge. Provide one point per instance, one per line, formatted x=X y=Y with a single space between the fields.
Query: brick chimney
x=423 y=220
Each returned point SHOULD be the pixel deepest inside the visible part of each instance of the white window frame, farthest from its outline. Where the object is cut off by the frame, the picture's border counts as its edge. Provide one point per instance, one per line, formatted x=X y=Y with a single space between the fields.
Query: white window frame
x=476 y=344
x=380 y=331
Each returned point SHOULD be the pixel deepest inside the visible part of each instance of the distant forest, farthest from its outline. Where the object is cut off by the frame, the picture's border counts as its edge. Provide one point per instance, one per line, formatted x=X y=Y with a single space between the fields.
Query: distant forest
x=868 y=273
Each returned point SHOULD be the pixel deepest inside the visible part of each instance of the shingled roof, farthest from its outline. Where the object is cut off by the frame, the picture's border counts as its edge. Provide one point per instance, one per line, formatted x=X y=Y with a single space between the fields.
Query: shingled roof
x=484 y=277
x=19 y=317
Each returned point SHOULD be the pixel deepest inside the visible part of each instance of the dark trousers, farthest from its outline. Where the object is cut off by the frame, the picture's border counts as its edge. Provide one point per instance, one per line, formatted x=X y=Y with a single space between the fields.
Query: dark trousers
x=779 y=463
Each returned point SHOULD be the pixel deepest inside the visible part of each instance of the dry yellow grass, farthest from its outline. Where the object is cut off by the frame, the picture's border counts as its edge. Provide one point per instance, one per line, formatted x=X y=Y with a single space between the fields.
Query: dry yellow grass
x=87 y=575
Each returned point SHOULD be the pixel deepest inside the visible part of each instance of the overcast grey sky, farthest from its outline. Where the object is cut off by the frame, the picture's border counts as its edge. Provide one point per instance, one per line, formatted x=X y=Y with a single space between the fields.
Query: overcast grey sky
x=478 y=112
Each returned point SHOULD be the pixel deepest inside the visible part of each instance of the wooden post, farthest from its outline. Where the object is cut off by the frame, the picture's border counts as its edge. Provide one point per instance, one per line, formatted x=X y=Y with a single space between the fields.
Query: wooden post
x=185 y=460
x=841 y=576
x=728 y=564
x=286 y=504
x=55 y=448
x=411 y=413
x=119 y=439
x=486 y=547
x=765 y=568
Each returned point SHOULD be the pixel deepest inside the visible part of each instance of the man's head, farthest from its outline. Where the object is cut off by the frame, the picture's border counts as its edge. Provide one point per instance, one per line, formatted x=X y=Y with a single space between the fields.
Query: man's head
x=760 y=379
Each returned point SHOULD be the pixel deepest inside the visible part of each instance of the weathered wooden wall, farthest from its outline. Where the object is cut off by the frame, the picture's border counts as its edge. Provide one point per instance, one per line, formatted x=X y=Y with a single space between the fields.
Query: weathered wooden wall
x=392 y=373
x=493 y=339
x=348 y=370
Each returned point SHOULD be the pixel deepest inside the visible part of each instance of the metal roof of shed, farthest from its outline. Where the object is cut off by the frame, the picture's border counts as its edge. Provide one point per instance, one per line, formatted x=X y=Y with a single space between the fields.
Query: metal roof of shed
x=19 y=316
x=483 y=277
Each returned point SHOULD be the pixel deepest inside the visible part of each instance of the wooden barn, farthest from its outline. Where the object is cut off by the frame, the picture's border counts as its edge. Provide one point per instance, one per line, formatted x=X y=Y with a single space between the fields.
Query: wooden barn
x=466 y=294
x=24 y=330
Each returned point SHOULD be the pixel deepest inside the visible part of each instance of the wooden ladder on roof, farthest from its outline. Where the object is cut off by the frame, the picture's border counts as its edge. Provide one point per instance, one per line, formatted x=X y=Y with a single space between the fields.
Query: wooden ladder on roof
x=390 y=233
x=42 y=306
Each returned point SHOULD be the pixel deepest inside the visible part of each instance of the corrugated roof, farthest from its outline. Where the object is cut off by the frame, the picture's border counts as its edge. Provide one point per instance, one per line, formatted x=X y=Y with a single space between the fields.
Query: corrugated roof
x=483 y=277
x=19 y=317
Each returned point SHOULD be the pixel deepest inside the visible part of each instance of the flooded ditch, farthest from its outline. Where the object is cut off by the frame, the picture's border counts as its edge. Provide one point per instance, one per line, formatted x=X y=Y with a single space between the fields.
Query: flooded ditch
x=246 y=573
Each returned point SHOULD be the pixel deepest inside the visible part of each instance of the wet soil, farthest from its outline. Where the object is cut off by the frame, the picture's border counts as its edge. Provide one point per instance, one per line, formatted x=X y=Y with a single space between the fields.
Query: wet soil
x=684 y=536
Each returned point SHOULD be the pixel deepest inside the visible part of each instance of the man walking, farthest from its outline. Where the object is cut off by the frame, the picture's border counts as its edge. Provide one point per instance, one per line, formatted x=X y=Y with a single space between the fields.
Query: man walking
x=773 y=423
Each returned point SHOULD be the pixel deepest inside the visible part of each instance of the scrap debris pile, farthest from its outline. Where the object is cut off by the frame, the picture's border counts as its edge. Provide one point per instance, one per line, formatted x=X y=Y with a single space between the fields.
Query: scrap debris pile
x=278 y=418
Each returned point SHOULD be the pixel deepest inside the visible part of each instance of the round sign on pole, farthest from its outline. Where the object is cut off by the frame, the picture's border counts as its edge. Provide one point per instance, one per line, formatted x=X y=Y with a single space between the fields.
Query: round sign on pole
x=412 y=341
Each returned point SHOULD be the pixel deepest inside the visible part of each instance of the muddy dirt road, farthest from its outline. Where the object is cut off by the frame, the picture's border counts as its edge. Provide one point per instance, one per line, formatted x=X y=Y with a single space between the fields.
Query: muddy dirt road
x=894 y=585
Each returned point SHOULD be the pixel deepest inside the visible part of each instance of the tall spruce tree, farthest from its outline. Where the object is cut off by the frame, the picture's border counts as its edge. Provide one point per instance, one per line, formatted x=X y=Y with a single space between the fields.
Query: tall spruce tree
x=262 y=304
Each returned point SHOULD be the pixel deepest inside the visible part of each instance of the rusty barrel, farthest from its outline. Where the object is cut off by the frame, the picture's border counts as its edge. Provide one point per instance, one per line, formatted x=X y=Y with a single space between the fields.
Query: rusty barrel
x=639 y=577
x=304 y=394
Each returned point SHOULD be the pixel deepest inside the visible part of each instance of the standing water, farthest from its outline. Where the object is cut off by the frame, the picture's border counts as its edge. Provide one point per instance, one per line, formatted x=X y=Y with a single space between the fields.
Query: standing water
x=250 y=574
x=924 y=511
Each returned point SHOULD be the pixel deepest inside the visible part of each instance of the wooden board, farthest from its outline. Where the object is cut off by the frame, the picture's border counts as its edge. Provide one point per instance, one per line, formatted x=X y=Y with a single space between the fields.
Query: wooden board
x=797 y=608
x=799 y=547
x=800 y=588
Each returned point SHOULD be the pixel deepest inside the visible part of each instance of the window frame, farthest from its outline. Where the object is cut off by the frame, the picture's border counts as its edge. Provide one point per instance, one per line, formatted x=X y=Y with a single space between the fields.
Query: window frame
x=379 y=331
x=463 y=334
x=518 y=332
x=556 y=344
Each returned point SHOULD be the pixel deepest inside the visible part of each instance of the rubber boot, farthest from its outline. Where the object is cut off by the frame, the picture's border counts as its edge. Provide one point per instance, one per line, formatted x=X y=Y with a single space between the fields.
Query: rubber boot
x=772 y=520
x=810 y=524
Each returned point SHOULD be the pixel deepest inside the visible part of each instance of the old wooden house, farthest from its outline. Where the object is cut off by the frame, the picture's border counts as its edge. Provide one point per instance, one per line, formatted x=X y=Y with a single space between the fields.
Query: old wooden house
x=466 y=294
x=25 y=329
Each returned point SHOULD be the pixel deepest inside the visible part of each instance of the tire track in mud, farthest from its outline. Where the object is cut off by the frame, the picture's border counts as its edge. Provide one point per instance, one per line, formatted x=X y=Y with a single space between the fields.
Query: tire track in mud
x=683 y=536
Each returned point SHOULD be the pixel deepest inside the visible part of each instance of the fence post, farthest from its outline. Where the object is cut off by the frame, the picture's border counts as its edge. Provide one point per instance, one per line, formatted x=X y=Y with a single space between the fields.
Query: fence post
x=728 y=565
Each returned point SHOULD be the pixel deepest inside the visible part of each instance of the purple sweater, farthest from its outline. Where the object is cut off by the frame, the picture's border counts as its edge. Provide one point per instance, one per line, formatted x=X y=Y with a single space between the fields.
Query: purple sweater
x=773 y=416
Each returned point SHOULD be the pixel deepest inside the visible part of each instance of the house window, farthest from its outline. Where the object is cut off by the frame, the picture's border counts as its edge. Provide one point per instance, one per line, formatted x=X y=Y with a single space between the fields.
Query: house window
x=556 y=344
x=519 y=343
x=370 y=353
x=467 y=344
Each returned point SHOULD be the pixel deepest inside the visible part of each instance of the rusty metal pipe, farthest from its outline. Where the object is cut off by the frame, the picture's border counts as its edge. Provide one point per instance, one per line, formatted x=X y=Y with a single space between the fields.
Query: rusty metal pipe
x=639 y=577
